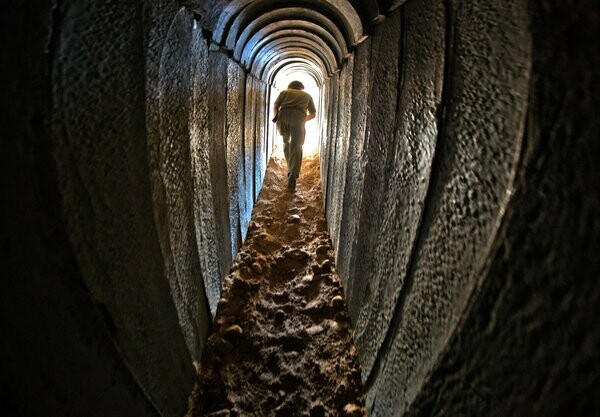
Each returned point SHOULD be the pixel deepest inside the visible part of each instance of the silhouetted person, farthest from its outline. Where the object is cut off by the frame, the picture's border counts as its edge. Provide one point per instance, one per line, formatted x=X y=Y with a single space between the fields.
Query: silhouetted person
x=292 y=109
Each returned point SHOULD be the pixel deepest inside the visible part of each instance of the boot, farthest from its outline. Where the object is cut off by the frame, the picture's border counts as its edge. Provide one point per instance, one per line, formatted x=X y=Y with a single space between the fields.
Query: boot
x=291 y=182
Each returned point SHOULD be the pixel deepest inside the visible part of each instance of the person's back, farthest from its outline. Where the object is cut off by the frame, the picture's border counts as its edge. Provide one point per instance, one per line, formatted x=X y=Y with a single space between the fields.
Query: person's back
x=292 y=109
x=295 y=99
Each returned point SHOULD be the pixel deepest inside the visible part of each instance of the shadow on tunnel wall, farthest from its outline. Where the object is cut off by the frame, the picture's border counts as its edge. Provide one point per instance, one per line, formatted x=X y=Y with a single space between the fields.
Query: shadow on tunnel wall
x=134 y=173
x=459 y=162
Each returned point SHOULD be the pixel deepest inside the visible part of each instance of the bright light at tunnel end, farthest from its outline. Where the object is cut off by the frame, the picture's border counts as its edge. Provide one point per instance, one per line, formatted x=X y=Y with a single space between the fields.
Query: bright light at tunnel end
x=311 y=143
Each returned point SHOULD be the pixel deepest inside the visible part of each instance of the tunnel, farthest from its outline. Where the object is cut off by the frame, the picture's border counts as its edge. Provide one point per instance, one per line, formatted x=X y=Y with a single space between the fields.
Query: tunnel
x=459 y=151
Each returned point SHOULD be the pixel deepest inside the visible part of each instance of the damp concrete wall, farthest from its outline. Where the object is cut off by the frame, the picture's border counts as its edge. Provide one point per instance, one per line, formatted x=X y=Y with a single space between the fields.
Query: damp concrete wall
x=457 y=201
x=134 y=174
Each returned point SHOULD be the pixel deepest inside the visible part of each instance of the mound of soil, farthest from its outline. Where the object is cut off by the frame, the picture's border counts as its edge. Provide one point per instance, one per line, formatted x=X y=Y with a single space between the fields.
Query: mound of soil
x=282 y=343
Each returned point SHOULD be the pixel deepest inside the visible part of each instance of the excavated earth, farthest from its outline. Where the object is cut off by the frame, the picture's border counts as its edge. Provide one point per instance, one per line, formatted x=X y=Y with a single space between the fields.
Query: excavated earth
x=282 y=342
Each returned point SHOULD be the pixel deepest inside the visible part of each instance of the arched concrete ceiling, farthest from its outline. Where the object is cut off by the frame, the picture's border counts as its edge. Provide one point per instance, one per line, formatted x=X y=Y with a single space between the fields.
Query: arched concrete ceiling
x=295 y=68
x=282 y=17
x=370 y=12
x=288 y=48
x=247 y=51
x=288 y=56
x=256 y=30
x=240 y=13
x=295 y=64
x=291 y=49
x=313 y=43
x=293 y=18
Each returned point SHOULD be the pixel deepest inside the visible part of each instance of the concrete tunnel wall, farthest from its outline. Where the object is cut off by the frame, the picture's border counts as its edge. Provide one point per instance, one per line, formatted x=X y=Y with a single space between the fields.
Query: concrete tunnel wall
x=440 y=145
x=145 y=171
x=458 y=156
x=447 y=195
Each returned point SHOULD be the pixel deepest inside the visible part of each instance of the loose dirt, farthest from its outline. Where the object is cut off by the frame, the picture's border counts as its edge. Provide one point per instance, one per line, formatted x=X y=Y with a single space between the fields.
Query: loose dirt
x=282 y=343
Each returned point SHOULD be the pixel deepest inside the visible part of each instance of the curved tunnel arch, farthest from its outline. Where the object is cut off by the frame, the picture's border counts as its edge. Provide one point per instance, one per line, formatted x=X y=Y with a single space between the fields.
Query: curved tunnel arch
x=295 y=64
x=261 y=31
x=296 y=17
x=264 y=36
x=292 y=46
x=239 y=14
x=287 y=15
x=245 y=50
x=281 y=59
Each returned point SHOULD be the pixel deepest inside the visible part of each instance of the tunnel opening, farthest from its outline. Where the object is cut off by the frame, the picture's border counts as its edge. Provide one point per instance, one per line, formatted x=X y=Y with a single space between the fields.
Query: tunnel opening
x=312 y=79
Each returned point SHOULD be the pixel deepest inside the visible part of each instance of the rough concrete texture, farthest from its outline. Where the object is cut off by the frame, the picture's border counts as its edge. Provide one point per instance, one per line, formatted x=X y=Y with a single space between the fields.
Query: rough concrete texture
x=260 y=144
x=382 y=61
x=472 y=180
x=131 y=217
x=529 y=345
x=249 y=140
x=217 y=102
x=339 y=150
x=433 y=196
x=328 y=128
x=205 y=221
x=55 y=339
x=176 y=217
x=355 y=164
x=98 y=122
x=413 y=297
x=238 y=212
x=403 y=177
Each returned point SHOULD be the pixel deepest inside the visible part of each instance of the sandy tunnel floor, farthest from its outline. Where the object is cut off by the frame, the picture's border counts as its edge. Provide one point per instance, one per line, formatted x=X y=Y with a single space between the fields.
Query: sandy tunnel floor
x=282 y=342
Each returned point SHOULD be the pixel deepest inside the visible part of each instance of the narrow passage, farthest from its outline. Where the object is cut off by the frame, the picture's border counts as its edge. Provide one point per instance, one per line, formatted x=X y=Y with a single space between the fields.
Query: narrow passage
x=282 y=340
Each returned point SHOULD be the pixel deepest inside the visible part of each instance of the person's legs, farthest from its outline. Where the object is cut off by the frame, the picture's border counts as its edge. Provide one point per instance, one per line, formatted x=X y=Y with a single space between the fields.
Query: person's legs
x=295 y=154
x=283 y=128
x=286 y=150
x=290 y=124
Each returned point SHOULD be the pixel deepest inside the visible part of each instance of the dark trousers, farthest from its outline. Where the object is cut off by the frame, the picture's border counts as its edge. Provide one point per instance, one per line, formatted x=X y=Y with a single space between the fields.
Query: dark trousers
x=290 y=124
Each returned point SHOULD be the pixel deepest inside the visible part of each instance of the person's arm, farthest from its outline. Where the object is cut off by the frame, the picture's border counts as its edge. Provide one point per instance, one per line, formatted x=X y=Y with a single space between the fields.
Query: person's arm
x=277 y=104
x=312 y=111
x=276 y=108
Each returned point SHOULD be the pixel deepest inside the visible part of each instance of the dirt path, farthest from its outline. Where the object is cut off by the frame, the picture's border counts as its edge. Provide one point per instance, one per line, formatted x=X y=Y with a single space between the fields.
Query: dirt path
x=282 y=342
